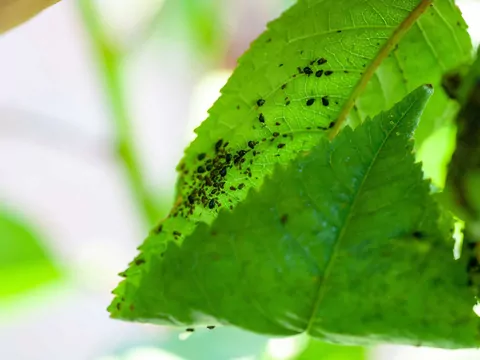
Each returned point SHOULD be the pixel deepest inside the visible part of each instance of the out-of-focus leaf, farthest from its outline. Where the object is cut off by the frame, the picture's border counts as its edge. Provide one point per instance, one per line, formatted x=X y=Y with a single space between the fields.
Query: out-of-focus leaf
x=15 y=12
x=318 y=350
x=463 y=181
x=24 y=262
x=204 y=22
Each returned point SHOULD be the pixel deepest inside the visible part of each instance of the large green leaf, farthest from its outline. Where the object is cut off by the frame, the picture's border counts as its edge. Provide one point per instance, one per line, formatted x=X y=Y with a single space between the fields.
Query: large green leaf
x=294 y=87
x=346 y=244
x=24 y=263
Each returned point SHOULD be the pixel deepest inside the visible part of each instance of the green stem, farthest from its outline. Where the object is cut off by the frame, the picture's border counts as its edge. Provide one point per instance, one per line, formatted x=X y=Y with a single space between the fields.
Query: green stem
x=109 y=59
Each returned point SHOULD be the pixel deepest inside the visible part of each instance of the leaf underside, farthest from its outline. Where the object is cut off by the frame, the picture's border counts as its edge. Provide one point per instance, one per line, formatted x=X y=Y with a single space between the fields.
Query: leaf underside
x=290 y=89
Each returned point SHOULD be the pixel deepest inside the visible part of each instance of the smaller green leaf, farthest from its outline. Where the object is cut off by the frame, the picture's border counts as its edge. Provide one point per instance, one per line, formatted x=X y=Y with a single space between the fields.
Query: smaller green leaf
x=345 y=244
x=24 y=263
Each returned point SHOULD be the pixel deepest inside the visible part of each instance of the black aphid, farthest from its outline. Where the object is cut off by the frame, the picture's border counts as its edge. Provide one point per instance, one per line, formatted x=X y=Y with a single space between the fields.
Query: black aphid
x=307 y=70
x=211 y=204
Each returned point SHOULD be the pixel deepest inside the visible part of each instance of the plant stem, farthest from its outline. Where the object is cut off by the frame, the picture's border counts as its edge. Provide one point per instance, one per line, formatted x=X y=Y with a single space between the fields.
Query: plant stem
x=110 y=60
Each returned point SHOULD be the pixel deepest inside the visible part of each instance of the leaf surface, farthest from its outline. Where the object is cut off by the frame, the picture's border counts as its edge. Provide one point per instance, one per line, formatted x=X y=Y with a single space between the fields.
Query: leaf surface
x=345 y=244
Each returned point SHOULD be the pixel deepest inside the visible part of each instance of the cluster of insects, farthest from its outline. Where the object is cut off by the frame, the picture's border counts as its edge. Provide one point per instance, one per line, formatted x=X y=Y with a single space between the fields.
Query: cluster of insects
x=209 y=327
x=208 y=180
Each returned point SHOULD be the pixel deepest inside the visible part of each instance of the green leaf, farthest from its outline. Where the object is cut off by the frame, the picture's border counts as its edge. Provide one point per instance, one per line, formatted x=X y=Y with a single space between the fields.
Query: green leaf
x=291 y=90
x=345 y=244
x=325 y=351
x=436 y=43
x=24 y=263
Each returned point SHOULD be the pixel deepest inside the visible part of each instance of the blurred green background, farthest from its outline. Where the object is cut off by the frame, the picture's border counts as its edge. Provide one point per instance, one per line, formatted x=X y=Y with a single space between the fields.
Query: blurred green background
x=98 y=98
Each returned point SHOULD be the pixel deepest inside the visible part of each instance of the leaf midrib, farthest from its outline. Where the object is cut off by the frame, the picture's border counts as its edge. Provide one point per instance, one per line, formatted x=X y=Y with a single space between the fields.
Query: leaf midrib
x=341 y=234
x=397 y=35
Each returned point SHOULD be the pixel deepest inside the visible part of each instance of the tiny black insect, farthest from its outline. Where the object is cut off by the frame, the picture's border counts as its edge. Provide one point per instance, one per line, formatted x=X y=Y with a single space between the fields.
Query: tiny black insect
x=275 y=134
x=191 y=199
x=319 y=73
x=261 y=118
x=190 y=330
x=280 y=146
x=284 y=86
x=209 y=167
x=241 y=186
x=321 y=61
x=228 y=158
x=201 y=156
x=200 y=169
x=310 y=102
x=218 y=144
x=210 y=327
x=307 y=70
x=332 y=124
x=328 y=72
x=211 y=204
x=251 y=144
x=223 y=172
x=325 y=101
x=260 y=102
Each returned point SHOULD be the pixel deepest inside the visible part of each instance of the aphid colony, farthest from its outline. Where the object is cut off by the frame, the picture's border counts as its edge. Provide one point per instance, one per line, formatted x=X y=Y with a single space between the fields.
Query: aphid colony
x=208 y=179
x=204 y=183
